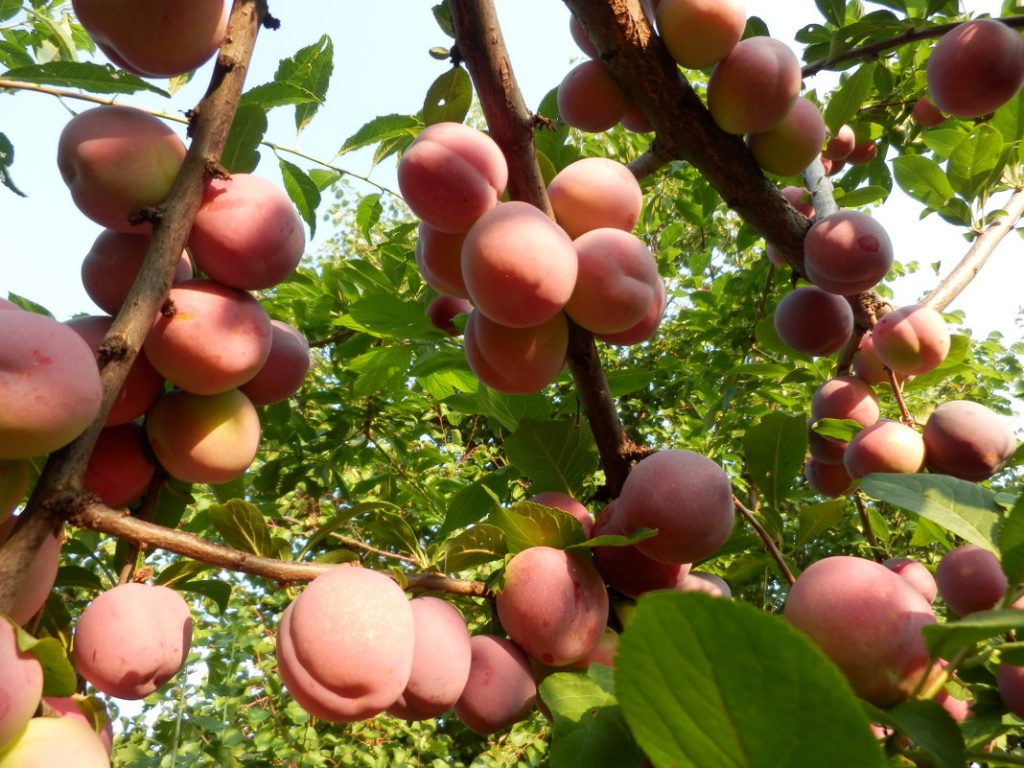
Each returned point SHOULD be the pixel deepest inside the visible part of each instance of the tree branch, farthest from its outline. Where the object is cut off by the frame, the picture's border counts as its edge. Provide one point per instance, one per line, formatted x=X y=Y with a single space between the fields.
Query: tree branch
x=53 y=500
x=766 y=539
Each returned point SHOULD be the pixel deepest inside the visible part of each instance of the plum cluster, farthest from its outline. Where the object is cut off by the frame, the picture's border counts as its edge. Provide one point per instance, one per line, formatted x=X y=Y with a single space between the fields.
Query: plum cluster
x=518 y=274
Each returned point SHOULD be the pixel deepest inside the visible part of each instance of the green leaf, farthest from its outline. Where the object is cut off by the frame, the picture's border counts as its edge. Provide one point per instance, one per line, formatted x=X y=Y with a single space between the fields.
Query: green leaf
x=302 y=191
x=310 y=69
x=1009 y=121
x=8 y=9
x=533 y=525
x=555 y=455
x=241 y=150
x=838 y=429
x=387 y=315
x=478 y=500
x=324 y=177
x=944 y=640
x=95 y=78
x=588 y=726
x=243 y=527
x=922 y=179
x=77 y=576
x=443 y=18
x=863 y=196
x=961 y=507
x=448 y=97
x=181 y=571
x=848 y=98
x=707 y=683
x=1011 y=543
x=475 y=546
x=815 y=519
x=341 y=518
x=59 y=677
x=975 y=161
x=217 y=591
x=774 y=450
x=942 y=141
x=381 y=128
x=368 y=214
x=932 y=729
x=277 y=94
x=6 y=161
x=834 y=11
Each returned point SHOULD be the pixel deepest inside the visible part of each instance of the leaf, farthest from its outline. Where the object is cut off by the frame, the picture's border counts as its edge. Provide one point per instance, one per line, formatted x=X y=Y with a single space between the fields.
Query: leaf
x=533 y=525
x=8 y=9
x=475 y=546
x=1009 y=121
x=922 y=179
x=555 y=455
x=863 y=196
x=217 y=591
x=1011 y=542
x=380 y=128
x=477 y=501
x=851 y=93
x=368 y=214
x=95 y=78
x=815 y=519
x=77 y=576
x=697 y=689
x=6 y=161
x=944 y=640
x=343 y=517
x=277 y=94
x=774 y=450
x=181 y=571
x=834 y=11
x=59 y=677
x=588 y=726
x=443 y=18
x=932 y=729
x=975 y=161
x=616 y=540
x=310 y=69
x=243 y=527
x=303 y=192
x=448 y=97
x=838 y=429
x=241 y=150
x=961 y=507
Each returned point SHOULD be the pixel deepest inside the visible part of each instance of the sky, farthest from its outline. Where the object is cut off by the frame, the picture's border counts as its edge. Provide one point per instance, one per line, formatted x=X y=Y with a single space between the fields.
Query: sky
x=382 y=66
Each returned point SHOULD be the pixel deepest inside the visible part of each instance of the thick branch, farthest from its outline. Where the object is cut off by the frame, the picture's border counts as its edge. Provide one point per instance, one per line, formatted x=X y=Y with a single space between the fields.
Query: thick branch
x=97 y=517
x=956 y=281
x=211 y=121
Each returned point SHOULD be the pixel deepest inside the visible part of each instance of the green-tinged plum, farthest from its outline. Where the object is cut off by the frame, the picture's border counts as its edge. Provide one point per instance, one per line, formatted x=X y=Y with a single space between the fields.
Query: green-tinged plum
x=975 y=68
x=568 y=504
x=686 y=497
x=847 y=252
x=516 y=360
x=919 y=577
x=602 y=653
x=439 y=259
x=204 y=438
x=56 y=742
x=868 y=621
x=970 y=579
x=87 y=710
x=627 y=569
x=700 y=33
x=553 y=604
x=15 y=475
x=813 y=321
x=828 y=479
x=285 y=368
x=753 y=88
x=911 y=340
x=40 y=576
x=519 y=266
x=209 y=338
x=119 y=468
x=112 y=264
x=49 y=385
x=885 y=446
x=440 y=662
x=246 y=234
x=595 y=192
x=451 y=175
x=132 y=639
x=117 y=161
x=501 y=689
x=867 y=365
x=22 y=686
x=790 y=146
x=967 y=440
x=616 y=282
x=589 y=98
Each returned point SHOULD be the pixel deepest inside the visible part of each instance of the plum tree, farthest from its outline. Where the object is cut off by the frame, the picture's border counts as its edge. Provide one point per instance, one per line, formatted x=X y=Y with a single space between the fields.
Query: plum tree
x=553 y=604
x=847 y=252
x=753 y=88
x=595 y=192
x=970 y=579
x=590 y=99
x=813 y=321
x=911 y=340
x=700 y=33
x=967 y=440
x=132 y=639
x=501 y=688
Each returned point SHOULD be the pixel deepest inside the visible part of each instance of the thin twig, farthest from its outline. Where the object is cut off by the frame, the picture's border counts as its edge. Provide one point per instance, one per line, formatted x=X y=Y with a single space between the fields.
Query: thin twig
x=866 y=529
x=352 y=543
x=769 y=542
x=897 y=393
x=146 y=510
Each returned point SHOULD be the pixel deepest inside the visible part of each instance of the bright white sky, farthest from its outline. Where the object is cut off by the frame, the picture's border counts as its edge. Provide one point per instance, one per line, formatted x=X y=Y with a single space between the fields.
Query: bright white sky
x=381 y=67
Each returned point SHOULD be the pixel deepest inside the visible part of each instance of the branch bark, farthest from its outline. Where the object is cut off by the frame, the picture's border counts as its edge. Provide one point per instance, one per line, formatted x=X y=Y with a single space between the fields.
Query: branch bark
x=55 y=499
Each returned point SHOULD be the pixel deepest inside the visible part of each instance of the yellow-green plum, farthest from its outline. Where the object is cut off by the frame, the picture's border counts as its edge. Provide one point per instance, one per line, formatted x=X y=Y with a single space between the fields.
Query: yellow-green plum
x=595 y=192
x=686 y=497
x=553 y=604
x=644 y=329
x=119 y=468
x=15 y=475
x=813 y=321
x=40 y=576
x=911 y=340
x=439 y=259
x=519 y=266
x=87 y=710
x=345 y=646
x=132 y=639
x=847 y=252
x=155 y=38
x=22 y=686
x=975 y=68
x=440 y=662
x=110 y=267
x=590 y=99
x=49 y=385
x=208 y=337
x=451 y=175
x=246 y=234
x=970 y=579
x=285 y=368
x=885 y=446
x=501 y=689
x=866 y=364
x=700 y=33
x=56 y=742
x=916 y=574
x=616 y=282
x=204 y=438
x=566 y=503
x=117 y=161
x=753 y=88
x=790 y=146
x=516 y=360
x=967 y=440
x=868 y=621
x=627 y=569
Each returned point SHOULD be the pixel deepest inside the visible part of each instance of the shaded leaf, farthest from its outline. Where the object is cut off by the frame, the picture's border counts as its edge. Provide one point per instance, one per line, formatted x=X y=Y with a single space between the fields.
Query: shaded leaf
x=448 y=97
x=815 y=519
x=774 y=450
x=848 y=98
x=478 y=500
x=181 y=571
x=6 y=161
x=922 y=179
x=368 y=214
x=242 y=526
x=95 y=78
x=241 y=150
x=944 y=640
x=555 y=455
x=59 y=677
x=219 y=592
x=475 y=546
x=1011 y=543
x=932 y=729
x=528 y=525
x=303 y=192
